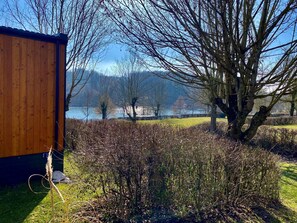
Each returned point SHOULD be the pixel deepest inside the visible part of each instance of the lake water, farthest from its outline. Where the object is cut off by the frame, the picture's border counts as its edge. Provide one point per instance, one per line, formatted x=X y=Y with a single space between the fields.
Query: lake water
x=91 y=114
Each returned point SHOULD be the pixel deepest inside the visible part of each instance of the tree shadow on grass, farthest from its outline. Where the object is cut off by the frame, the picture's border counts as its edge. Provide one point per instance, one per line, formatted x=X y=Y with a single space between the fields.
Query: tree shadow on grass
x=272 y=212
x=17 y=202
x=290 y=172
x=275 y=212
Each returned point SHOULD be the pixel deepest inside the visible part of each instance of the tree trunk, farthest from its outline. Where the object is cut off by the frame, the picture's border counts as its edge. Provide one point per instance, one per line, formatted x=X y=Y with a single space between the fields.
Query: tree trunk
x=293 y=105
x=257 y=120
x=134 y=114
x=104 y=111
x=67 y=102
x=236 y=120
x=213 y=117
x=236 y=132
x=157 y=110
x=292 y=109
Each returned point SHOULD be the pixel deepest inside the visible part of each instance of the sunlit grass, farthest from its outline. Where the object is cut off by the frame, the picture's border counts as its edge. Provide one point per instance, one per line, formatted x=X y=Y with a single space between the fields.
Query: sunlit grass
x=288 y=184
x=18 y=204
x=294 y=127
x=182 y=122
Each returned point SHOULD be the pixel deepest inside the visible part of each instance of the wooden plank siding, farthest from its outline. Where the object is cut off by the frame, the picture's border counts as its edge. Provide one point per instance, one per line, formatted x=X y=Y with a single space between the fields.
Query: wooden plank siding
x=30 y=100
x=62 y=83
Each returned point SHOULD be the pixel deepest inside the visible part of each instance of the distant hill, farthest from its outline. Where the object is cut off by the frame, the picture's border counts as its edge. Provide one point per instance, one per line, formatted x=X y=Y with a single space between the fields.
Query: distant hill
x=89 y=96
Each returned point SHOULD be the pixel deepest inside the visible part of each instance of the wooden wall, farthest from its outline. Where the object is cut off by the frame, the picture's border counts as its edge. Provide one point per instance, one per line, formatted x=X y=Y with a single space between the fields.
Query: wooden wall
x=31 y=96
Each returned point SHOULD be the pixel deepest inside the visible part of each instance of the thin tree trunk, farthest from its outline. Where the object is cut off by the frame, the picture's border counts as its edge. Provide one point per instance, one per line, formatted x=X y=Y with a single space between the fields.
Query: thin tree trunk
x=292 y=109
x=157 y=110
x=293 y=104
x=104 y=111
x=134 y=114
x=67 y=102
x=213 y=117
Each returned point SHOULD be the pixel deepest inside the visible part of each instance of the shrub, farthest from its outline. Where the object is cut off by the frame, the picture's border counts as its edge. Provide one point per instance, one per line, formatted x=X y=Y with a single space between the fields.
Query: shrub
x=281 y=120
x=74 y=128
x=278 y=140
x=147 y=169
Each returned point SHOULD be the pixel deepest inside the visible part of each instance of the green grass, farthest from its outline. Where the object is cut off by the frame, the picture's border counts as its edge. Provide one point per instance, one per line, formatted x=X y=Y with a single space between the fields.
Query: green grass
x=286 y=211
x=288 y=184
x=182 y=122
x=294 y=127
x=18 y=204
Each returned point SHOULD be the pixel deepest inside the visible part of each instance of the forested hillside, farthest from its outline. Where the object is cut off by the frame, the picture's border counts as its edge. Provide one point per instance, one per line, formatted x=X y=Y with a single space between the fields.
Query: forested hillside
x=90 y=94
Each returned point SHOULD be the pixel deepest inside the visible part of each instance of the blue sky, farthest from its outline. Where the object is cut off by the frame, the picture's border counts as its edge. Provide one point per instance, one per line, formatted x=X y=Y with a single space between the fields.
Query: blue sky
x=114 y=52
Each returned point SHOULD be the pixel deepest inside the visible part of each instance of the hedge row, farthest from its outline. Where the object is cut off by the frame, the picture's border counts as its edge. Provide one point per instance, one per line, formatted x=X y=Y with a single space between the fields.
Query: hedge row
x=152 y=171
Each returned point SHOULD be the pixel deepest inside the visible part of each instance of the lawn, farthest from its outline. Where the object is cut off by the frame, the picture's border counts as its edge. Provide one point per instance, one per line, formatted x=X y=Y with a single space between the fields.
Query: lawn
x=293 y=127
x=18 y=204
x=288 y=193
x=183 y=122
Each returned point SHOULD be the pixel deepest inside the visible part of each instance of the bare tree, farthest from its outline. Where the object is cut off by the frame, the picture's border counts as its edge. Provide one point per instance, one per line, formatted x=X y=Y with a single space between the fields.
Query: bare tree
x=157 y=96
x=179 y=106
x=293 y=90
x=200 y=97
x=106 y=105
x=291 y=99
x=86 y=109
x=132 y=85
x=205 y=98
x=83 y=21
x=232 y=48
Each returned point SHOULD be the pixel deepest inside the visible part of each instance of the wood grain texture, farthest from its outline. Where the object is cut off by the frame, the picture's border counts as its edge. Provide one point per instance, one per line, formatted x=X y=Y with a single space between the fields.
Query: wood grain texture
x=28 y=96
x=61 y=118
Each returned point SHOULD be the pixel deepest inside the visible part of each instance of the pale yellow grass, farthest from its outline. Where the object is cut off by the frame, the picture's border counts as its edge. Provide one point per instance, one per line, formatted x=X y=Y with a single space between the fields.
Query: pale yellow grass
x=182 y=122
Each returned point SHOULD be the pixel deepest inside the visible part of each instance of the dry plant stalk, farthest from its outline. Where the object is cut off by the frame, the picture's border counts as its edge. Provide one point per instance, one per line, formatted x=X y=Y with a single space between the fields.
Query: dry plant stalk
x=48 y=177
x=49 y=174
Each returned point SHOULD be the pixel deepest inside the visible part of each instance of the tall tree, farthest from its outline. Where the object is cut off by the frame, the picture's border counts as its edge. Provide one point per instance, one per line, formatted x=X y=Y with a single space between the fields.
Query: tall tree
x=157 y=95
x=205 y=99
x=179 y=106
x=292 y=100
x=87 y=28
x=104 y=87
x=86 y=109
x=233 y=48
x=132 y=85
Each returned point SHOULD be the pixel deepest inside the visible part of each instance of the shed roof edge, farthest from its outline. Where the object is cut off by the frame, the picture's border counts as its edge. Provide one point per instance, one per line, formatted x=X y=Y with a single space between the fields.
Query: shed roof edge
x=62 y=38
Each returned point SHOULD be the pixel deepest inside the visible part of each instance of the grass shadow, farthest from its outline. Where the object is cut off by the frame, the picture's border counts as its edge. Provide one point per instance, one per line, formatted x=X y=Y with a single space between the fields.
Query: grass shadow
x=275 y=212
x=290 y=172
x=17 y=202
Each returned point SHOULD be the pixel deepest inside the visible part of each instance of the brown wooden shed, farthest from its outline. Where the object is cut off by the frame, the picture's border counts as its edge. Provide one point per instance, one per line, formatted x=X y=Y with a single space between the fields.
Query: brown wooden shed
x=32 y=102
